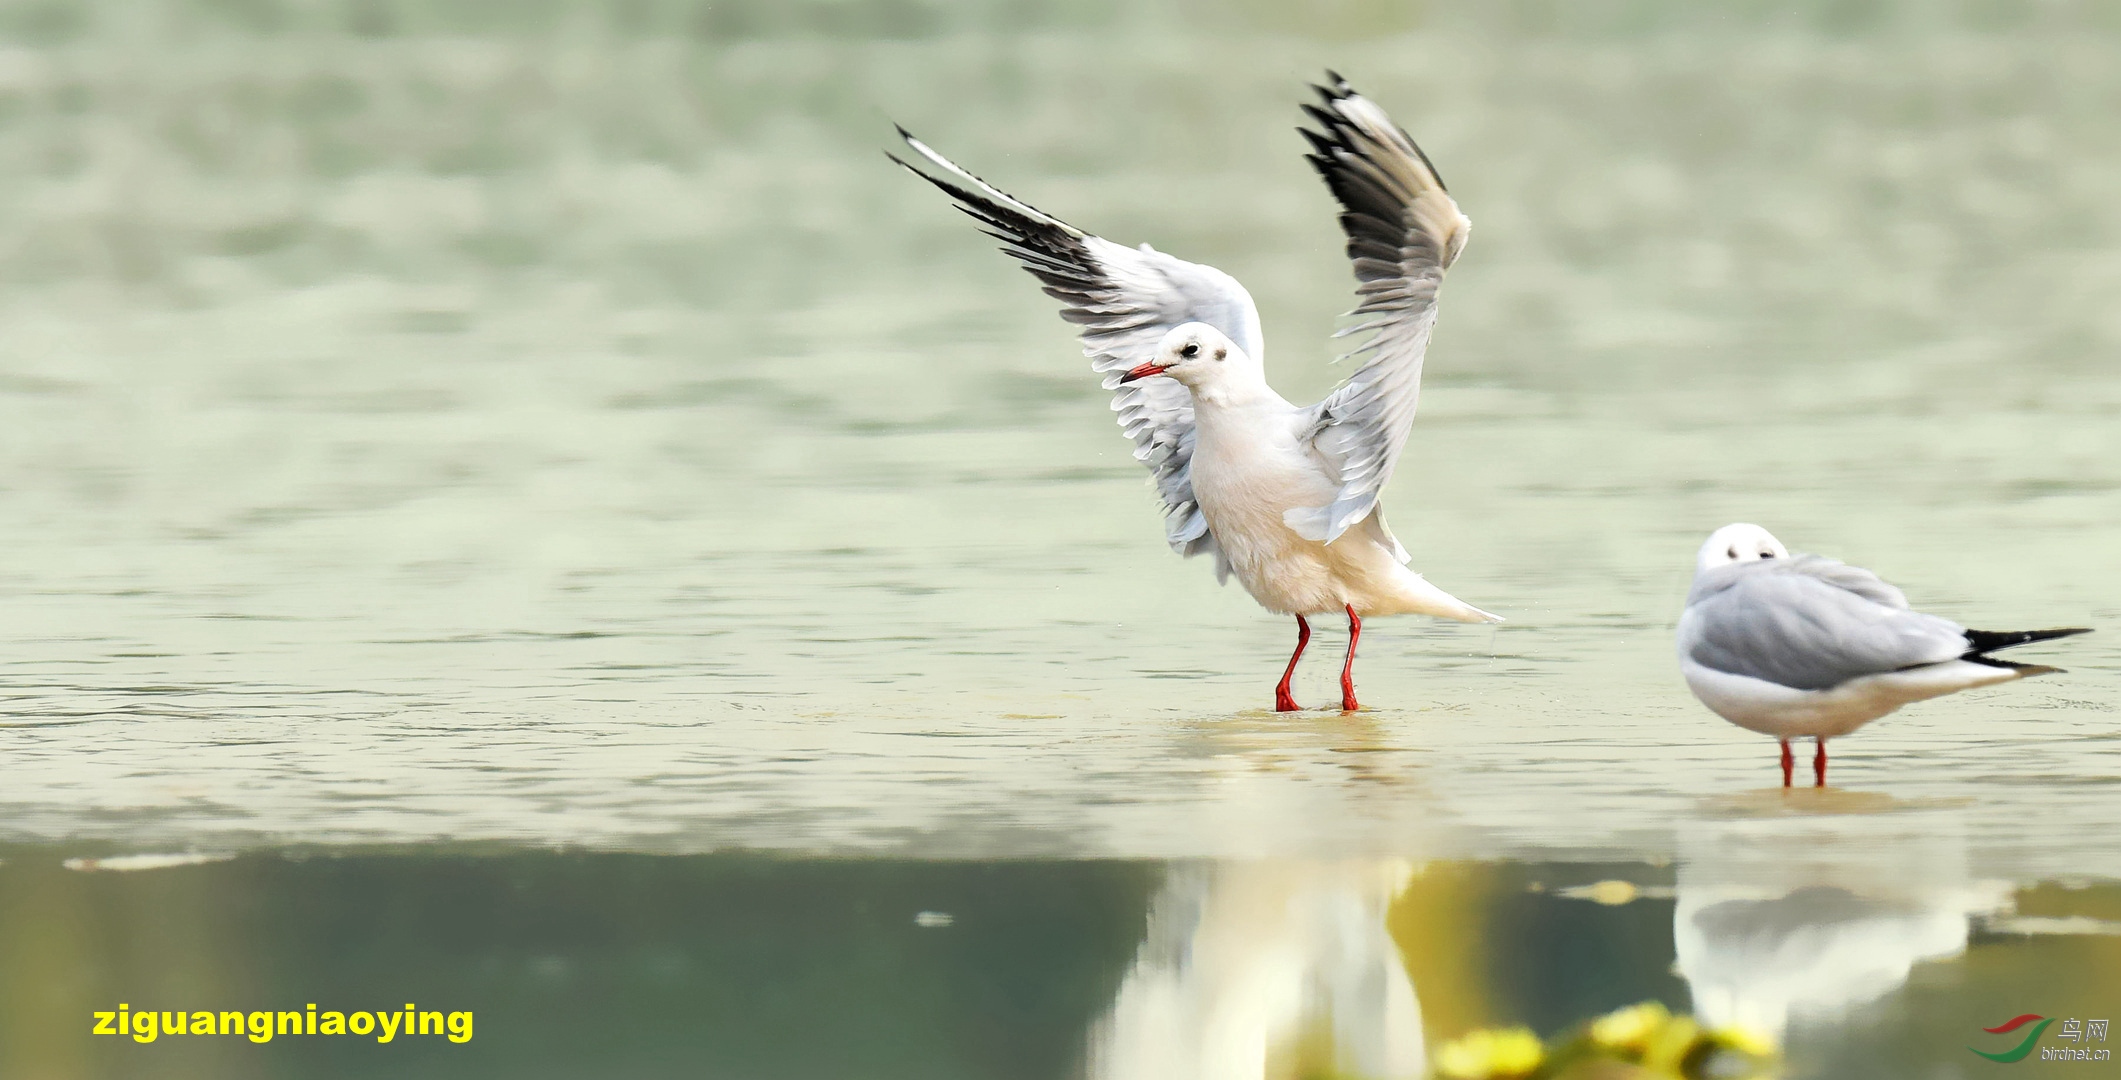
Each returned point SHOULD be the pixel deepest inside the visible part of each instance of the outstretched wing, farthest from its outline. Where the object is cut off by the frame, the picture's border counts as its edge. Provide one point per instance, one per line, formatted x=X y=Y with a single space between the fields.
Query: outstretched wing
x=1403 y=232
x=1811 y=623
x=1125 y=299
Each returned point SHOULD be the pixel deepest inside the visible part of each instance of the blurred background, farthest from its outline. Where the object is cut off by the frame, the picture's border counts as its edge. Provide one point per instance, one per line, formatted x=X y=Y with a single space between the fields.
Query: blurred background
x=439 y=437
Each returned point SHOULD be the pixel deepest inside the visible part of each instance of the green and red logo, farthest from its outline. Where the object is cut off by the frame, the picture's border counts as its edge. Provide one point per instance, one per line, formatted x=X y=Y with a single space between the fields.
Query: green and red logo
x=2025 y=1046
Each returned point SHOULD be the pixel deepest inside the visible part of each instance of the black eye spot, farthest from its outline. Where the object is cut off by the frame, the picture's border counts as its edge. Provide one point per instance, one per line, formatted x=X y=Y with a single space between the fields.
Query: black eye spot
x=1767 y=554
x=1190 y=350
x=1733 y=553
x=1220 y=353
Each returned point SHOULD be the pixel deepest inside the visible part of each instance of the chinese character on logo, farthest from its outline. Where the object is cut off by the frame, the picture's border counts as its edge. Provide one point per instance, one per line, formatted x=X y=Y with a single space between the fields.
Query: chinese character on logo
x=2095 y=1029
x=2071 y=1030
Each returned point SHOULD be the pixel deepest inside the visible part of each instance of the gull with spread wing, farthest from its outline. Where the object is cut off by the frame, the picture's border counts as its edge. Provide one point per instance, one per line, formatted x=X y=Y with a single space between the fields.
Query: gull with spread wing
x=1810 y=646
x=1284 y=497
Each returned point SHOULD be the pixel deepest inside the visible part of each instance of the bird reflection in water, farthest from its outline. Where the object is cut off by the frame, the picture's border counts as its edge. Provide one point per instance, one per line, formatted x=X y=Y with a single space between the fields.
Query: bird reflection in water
x=1786 y=921
x=1267 y=969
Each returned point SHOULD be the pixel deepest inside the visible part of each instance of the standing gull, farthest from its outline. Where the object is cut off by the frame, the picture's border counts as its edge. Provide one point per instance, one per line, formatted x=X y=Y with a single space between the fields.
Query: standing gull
x=1809 y=646
x=1283 y=496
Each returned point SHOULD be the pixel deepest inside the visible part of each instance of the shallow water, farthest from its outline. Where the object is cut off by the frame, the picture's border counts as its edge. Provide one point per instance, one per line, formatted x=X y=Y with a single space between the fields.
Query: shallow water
x=551 y=427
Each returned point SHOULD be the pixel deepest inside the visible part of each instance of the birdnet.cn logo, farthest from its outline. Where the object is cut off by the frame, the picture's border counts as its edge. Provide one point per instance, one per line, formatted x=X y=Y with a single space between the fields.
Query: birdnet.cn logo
x=2080 y=1032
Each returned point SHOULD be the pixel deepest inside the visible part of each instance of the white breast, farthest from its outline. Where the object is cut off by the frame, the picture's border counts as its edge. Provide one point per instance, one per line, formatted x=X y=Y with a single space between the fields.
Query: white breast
x=1248 y=469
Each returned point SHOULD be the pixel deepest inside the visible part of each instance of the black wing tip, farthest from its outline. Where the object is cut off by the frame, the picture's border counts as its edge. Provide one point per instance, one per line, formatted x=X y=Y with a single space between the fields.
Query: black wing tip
x=1045 y=245
x=1330 y=95
x=948 y=188
x=1328 y=105
x=2025 y=671
x=1325 y=142
x=1338 y=126
x=909 y=140
x=1988 y=641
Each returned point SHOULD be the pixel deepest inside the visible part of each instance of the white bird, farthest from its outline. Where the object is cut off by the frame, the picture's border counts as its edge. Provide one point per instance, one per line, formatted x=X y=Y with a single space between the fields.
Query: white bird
x=1283 y=496
x=1810 y=646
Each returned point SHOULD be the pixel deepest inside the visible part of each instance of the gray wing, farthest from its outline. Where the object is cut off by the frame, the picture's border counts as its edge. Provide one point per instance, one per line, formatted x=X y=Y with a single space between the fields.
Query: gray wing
x=1403 y=232
x=1848 y=578
x=1125 y=299
x=1793 y=626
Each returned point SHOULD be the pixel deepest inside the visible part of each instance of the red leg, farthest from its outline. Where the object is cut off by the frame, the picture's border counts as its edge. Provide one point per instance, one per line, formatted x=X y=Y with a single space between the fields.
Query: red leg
x=1789 y=762
x=1347 y=670
x=1819 y=764
x=1282 y=701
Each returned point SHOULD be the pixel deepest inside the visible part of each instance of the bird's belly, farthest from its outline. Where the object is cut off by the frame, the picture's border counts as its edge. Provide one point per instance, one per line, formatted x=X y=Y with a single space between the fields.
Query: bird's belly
x=1783 y=712
x=1787 y=713
x=1283 y=571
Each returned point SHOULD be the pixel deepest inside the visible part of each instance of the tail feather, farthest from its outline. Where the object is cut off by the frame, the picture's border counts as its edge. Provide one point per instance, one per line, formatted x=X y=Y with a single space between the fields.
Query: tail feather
x=1417 y=595
x=1988 y=641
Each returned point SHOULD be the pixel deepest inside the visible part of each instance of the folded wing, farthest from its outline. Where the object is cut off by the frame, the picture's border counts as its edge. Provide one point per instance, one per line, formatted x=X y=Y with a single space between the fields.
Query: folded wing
x=1125 y=299
x=1403 y=232
x=1811 y=624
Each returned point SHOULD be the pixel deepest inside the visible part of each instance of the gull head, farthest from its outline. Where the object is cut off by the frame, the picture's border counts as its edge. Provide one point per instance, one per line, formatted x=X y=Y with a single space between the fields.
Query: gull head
x=1736 y=544
x=1193 y=353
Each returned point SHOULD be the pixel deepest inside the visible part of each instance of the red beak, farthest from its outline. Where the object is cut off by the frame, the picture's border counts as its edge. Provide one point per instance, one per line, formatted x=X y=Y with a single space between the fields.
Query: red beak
x=1142 y=372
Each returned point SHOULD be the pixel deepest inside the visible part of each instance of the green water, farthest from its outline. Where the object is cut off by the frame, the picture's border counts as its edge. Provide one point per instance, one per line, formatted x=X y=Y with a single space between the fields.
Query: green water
x=549 y=444
x=612 y=964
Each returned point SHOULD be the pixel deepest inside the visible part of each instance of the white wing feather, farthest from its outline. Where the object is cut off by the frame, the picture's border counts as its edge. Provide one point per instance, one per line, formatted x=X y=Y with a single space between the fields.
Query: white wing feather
x=1125 y=299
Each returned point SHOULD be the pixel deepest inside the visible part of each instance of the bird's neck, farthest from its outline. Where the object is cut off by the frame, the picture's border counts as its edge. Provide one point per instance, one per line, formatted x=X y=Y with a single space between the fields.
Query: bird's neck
x=1235 y=391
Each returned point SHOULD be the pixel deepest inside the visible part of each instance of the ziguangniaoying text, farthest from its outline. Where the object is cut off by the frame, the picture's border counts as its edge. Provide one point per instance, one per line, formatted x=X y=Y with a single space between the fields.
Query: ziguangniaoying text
x=261 y=1027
